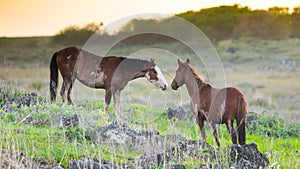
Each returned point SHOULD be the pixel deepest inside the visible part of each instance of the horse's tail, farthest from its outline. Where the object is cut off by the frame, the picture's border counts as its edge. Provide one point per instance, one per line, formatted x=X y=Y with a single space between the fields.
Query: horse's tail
x=241 y=120
x=53 y=77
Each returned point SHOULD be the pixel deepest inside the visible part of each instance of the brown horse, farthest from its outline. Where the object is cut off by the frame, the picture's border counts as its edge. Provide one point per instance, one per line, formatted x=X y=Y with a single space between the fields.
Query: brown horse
x=217 y=106
x=110 y=73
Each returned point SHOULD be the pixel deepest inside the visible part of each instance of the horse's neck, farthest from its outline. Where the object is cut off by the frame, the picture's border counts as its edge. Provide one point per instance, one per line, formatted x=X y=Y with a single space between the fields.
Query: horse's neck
x=136 y=69
x=139 y=74
x=194 y=86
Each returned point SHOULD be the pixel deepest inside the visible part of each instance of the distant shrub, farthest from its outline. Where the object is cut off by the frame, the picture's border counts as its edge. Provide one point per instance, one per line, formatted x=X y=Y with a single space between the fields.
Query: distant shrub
x=295 y=23
x=75 y=35
x=273 y=127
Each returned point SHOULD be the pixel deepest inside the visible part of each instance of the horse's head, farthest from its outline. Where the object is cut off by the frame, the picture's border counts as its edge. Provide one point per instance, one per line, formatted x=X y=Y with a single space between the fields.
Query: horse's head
x=155 y=76
x=181 y=70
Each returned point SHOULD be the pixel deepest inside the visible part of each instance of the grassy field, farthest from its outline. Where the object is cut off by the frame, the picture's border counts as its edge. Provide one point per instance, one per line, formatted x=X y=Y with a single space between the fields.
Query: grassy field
x=44 y=142
x=266 y=71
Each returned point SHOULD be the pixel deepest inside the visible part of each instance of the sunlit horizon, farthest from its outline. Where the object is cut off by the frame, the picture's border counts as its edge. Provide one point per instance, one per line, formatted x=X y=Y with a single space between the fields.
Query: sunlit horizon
x=46 y=18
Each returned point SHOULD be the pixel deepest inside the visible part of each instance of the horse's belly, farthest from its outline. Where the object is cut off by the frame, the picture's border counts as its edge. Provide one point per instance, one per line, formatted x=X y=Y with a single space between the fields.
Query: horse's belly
x=94 y=80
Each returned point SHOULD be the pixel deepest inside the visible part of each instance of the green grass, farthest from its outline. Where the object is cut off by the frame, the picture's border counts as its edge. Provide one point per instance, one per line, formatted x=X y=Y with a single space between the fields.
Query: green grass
x=48 y=143
x=270 y=91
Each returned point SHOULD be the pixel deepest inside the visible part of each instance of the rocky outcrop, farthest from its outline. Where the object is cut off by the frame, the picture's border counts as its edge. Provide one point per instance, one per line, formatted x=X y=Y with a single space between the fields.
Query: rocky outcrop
x=180 y=112
x=247 y=157
x=146 y=141
x=11 y=104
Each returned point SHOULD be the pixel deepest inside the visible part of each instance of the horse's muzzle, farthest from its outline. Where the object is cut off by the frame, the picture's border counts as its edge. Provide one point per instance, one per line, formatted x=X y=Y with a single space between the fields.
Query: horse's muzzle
x=174 y=86
x=164 y=87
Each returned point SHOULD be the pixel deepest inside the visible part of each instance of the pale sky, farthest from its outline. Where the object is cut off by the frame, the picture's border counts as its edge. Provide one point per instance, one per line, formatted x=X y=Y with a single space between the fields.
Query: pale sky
x=47 y=17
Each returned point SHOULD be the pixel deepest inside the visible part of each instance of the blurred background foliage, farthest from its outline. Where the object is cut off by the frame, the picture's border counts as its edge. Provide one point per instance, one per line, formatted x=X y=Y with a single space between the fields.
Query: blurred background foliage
x=218 y=23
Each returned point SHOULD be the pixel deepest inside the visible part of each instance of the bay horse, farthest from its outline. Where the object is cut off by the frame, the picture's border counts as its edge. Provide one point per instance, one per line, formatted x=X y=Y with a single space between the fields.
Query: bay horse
x=111 y=73
x=217 y=106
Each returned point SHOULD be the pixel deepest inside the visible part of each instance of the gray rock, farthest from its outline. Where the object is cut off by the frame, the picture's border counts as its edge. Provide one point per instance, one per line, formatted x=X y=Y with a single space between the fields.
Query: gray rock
x=180 y=112
x=119 y=134
x=57 y=167
x=186 y=149
x=84 y=164
x=250 y=118
x=69 y=121
x=247 y=156
x=95 y=164
x=177 y=166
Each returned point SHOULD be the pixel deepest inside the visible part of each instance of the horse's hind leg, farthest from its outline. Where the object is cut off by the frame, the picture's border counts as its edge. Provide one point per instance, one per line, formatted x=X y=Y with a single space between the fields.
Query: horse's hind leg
x=69 y=87
x=62 y=91
x=116 y=96
x=215 y=133
x=229 y=125
x=107 y=99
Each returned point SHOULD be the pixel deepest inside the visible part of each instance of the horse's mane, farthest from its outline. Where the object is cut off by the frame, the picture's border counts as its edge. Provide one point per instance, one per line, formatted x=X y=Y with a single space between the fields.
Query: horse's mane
x=137 y=63
x=196 y=75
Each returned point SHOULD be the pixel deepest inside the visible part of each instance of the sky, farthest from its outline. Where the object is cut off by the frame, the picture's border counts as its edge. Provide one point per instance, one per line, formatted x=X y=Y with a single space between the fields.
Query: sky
x=47 y=17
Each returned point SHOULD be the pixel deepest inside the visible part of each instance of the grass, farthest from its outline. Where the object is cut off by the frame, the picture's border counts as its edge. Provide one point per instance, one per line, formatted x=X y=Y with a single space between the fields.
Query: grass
x=255 y=66
x=25 y=61
x=47 y=143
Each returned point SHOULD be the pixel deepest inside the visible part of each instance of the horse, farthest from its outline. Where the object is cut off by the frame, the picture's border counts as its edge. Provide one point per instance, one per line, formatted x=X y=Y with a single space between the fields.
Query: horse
x=217 y=106
x=111 y=73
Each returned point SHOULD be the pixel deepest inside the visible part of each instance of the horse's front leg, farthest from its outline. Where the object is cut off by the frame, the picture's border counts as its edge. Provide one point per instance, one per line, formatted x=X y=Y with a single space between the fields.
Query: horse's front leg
x=200 y=122
x=201 y=125
x=116 y=96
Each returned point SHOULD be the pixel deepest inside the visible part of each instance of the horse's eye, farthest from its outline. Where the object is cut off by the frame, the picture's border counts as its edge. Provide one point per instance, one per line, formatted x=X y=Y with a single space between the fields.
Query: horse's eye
x=154 y=71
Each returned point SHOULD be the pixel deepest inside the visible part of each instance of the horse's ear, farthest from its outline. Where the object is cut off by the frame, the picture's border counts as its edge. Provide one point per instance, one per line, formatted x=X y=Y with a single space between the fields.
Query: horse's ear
x=187 y=61
x=179 y=61
x=152 y=61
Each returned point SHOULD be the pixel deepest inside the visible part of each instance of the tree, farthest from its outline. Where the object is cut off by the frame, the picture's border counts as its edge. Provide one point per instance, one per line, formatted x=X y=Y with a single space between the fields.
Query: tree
x=295 y=23
x=75 y=35
x=267 y=25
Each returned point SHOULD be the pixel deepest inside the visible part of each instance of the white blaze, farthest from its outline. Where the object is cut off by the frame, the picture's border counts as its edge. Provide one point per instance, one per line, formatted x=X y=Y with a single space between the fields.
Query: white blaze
x=161 y=79
x=161 y=82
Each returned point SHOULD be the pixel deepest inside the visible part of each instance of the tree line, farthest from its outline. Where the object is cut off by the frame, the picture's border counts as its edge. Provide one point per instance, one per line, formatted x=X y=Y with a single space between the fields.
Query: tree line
x=217 y=23
x=227 y=22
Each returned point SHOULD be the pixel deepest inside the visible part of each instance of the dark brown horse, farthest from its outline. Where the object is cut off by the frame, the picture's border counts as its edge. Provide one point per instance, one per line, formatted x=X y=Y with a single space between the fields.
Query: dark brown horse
x=110 y=73
x=217 y=106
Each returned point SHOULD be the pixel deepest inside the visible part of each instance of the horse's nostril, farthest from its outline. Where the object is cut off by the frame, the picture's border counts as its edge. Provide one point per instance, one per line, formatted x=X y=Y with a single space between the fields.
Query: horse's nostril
x=165 y=86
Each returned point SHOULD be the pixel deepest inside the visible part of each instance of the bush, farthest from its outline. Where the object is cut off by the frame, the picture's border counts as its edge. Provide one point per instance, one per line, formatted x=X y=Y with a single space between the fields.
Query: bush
x=273 y=127
x=75 y=35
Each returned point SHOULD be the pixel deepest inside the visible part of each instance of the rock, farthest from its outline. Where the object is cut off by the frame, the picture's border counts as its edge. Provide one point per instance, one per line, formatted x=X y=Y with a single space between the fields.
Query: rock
x=250 y=118
x=196 y=150
x=69 y=121
x=231 y=50
x=247 y=156
x=84 y=164
x=177 y=166
x=57 y=167
x=148 y=142
x=180 y=113
x=119 y=134
x=95 y=164
x=22 y=100
x=176 y=113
